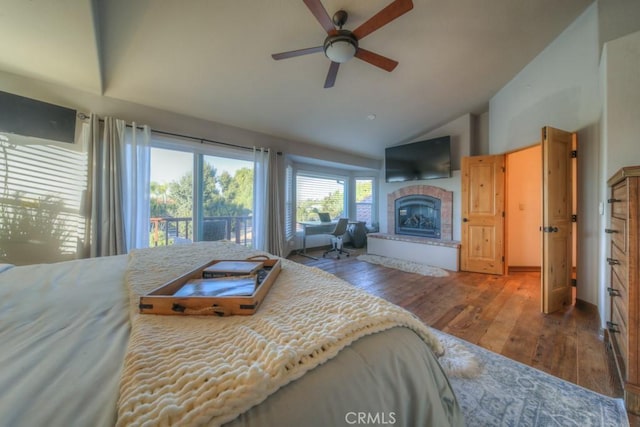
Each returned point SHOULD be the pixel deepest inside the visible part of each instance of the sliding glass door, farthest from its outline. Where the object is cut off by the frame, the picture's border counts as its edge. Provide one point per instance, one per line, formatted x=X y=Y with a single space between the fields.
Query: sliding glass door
x=216 y=205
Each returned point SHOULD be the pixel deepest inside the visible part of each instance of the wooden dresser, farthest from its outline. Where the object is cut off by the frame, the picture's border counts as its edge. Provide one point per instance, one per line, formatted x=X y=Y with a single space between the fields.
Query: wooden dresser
x=624 y=280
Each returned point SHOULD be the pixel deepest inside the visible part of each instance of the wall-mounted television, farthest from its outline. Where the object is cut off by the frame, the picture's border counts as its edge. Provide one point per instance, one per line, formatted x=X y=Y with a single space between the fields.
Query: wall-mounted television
x=429 y=159
x=30 y=117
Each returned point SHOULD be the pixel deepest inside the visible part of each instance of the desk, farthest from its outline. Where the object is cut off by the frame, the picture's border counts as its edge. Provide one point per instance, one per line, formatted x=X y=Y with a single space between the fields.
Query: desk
x=310 y=228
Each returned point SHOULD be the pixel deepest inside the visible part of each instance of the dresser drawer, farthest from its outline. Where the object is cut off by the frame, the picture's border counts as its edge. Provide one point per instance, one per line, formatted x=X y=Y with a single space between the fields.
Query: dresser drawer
x=619 y=201
x=619 y=289
x=618 y=331
x=618 y=232
x=618 y=262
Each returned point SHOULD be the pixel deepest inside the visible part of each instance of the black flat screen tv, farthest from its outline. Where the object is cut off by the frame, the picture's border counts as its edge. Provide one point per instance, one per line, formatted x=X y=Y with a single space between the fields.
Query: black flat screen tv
x=429 y=159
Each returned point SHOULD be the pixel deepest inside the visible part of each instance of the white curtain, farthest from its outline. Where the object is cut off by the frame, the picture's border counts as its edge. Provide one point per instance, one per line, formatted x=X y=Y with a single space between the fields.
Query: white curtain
x=117 y=191
x=261 y=206
x=136 y=174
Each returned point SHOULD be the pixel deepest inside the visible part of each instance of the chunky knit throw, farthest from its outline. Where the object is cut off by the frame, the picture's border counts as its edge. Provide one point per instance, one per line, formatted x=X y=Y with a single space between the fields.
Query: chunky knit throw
x=206 y=370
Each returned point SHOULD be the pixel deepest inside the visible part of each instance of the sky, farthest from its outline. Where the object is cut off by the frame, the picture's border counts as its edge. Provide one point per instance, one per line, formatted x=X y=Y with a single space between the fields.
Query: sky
x=170 y=165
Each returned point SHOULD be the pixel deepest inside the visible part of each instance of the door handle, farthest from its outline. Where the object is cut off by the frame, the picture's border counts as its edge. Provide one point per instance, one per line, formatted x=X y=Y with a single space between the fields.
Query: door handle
x=613 y=327
x=613 y=292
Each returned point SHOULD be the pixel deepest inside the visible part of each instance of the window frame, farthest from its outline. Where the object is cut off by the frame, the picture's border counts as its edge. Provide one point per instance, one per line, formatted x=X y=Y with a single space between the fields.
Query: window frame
x=198 y=150
x=348 y=176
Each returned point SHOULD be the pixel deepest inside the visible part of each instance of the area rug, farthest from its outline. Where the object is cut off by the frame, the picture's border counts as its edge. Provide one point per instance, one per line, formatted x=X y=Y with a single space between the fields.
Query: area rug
x=507 y=393
x=408 y=266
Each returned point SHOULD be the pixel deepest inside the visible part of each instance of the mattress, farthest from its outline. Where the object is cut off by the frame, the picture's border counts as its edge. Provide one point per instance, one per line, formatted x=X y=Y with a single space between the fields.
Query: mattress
x=65 y=327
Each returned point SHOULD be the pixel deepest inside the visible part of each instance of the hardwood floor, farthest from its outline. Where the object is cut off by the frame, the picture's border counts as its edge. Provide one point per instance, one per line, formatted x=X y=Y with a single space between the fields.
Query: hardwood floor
x=499 y=313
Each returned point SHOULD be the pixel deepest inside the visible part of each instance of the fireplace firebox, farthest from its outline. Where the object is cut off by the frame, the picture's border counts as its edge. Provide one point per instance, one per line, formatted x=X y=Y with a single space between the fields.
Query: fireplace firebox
x=418 y=215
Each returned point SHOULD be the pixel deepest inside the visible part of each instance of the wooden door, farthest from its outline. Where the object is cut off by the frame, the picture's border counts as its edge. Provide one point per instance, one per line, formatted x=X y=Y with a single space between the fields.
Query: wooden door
x=483 y=198
x=557 y=202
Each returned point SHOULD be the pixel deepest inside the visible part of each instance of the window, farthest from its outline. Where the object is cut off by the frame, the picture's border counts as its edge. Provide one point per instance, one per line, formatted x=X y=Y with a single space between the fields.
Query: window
x=317 y=193
x=316 y=190
x=171 y=196
x=41 y=188
x=364 y=200
x=217 y=205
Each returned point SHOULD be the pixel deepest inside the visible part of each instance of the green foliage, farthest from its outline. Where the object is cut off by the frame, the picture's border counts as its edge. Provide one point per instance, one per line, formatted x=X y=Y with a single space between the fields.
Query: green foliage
x=223 y=195
x=364 y=190
x=307 y=210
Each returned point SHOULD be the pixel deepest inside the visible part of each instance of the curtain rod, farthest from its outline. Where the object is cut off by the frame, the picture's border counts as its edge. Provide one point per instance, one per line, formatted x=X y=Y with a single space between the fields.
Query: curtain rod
x=83 y=116
x=202 y=140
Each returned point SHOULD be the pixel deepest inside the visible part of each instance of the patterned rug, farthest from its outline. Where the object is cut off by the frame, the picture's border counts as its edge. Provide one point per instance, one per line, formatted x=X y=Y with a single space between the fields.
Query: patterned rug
x=408 y=266
x=508 y=393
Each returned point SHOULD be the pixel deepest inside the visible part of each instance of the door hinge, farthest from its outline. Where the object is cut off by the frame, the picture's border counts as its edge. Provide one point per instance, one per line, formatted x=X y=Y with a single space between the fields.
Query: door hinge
x=503 y=258
x=574 y=283
x=574 y=218
x=574 y=154
x=544 y=132
x=503 y=214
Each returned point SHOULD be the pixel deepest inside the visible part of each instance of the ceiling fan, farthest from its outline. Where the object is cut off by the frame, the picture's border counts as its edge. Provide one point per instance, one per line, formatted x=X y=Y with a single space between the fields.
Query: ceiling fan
x=342 y=45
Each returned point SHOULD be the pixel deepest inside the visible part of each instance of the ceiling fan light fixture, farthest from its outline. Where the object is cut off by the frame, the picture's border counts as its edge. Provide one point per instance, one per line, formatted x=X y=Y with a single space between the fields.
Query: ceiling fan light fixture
x=341 y=47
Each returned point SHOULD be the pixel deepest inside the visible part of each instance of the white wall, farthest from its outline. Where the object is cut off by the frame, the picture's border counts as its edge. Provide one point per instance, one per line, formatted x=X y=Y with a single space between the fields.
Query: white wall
x=558 y=88
x=622 y=137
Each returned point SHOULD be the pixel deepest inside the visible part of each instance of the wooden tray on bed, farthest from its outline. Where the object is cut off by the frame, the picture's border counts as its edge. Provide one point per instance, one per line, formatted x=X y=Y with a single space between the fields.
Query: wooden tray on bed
x=163 y=300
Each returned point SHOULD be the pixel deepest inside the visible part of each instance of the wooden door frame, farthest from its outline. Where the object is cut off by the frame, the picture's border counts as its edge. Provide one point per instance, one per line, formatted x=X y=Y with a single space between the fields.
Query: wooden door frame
x=506 y=202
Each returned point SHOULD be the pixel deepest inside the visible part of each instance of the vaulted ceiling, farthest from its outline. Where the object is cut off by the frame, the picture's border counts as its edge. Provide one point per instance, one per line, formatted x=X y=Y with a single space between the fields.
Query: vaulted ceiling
x=212 y=60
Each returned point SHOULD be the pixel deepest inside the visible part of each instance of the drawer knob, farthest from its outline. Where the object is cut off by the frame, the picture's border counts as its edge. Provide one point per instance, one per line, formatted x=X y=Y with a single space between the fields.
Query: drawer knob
x=612 y=261
x=613 y=327
x=613 y=292
x=610 y=231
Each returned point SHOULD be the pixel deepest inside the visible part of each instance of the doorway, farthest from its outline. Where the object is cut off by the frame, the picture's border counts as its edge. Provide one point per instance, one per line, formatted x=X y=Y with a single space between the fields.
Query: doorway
x=523 y=243
x=524 y=213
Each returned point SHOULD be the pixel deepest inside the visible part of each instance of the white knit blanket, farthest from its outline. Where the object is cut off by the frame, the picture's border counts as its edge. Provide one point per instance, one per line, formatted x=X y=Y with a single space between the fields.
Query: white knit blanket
x=206 y=370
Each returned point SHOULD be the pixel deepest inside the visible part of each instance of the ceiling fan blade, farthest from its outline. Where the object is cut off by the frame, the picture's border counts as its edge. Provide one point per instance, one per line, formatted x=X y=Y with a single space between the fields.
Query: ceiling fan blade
x=299 y=52
x=386 y=15
x=331 y=75
x=377 y=60
x=321 y=15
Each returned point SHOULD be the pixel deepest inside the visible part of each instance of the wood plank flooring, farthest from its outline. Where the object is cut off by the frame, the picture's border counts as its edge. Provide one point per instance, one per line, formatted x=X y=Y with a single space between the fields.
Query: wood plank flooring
x=499 y=313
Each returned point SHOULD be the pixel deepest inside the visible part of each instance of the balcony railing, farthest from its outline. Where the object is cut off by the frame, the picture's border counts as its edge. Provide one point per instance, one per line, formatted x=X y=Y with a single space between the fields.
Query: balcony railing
x=166 y=231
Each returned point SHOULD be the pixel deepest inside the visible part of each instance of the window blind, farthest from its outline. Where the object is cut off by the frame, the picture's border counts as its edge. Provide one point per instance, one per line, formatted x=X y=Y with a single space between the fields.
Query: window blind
x=41 y=190
x=316 y=194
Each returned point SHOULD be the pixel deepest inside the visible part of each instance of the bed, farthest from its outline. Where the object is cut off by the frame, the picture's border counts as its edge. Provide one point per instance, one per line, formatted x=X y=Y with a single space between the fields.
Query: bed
x=72 y=337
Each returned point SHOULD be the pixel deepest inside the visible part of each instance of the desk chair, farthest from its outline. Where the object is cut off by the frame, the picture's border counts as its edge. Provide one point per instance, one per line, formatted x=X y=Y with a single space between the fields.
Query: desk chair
x=336 y=238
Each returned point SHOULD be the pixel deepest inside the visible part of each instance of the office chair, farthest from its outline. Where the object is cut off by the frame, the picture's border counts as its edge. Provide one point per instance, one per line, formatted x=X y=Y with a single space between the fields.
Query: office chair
x=336 y=238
